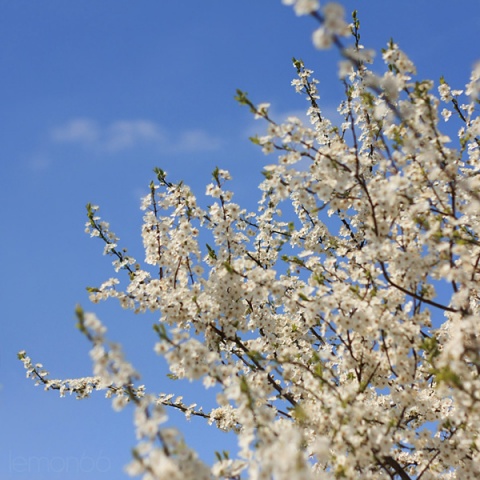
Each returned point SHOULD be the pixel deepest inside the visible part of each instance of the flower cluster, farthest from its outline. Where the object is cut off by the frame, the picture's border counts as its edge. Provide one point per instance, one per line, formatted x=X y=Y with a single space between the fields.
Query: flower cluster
x=339 y=322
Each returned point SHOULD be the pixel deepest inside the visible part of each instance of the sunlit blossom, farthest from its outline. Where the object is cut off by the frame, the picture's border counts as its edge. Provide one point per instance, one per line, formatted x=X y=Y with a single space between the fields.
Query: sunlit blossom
x=336 y=326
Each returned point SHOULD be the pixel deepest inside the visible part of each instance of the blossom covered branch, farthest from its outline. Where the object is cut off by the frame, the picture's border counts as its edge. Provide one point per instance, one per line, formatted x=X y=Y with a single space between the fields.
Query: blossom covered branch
x=339 y=321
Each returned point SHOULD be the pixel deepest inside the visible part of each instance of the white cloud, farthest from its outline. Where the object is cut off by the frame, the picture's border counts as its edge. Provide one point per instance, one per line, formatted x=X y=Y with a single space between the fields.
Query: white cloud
x=122 y=135
x=193 y=140
x=125 y=134
x=39 y=161
x=78 y=130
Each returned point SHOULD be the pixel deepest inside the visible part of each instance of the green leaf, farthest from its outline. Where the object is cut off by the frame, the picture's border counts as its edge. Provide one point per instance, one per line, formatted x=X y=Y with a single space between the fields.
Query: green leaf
x=161 y=330
x=211 y=252
x=229 y=268
x=80 y=319
x=161 y=175
x=241 y=97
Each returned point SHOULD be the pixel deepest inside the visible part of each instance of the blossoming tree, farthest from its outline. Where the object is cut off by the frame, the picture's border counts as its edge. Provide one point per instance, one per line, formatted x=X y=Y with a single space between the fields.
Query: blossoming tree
x=343 y=336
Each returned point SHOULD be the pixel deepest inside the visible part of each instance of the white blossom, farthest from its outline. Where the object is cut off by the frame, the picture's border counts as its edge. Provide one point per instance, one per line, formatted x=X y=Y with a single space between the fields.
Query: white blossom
x=303 y=7
x=336 y=327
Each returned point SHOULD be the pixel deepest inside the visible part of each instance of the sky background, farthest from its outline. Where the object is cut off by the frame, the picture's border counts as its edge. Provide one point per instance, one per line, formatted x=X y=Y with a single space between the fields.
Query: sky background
x=94 y=96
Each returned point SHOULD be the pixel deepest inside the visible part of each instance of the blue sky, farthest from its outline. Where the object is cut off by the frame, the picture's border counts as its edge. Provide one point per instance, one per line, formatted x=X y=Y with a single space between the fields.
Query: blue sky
x=96 y=94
